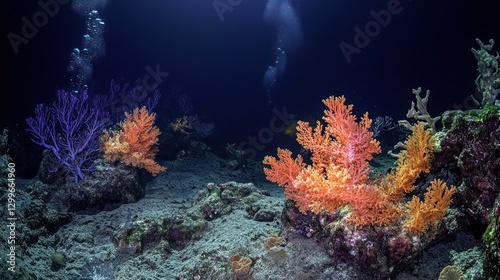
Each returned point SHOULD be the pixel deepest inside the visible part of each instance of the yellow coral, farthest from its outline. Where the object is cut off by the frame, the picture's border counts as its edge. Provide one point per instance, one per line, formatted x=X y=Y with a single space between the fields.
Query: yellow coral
x=423 y=214
x=181 y=125
x=413 y=161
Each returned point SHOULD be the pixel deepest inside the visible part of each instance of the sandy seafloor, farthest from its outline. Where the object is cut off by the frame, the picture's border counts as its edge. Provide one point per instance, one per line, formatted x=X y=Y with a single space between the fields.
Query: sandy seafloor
x=87 y=240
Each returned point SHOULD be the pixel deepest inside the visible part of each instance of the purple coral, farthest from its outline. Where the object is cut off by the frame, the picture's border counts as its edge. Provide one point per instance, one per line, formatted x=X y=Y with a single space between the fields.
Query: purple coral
x=70 y=129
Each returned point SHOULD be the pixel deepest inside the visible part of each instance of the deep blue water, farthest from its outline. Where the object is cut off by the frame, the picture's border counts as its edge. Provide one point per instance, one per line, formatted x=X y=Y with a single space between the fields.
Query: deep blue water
x=220 y=64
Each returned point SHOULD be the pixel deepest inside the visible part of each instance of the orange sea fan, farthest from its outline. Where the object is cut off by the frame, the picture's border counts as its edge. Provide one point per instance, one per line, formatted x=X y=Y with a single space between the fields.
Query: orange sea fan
x=136 y=143
x=284 y=169
x=338 y=176
x=340 y=153
x=343 y=141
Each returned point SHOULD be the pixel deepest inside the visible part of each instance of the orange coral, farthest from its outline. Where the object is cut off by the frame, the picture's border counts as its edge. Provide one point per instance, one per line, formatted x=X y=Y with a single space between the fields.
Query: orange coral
x=241 y=268
x=343 y=141
x=273 y=240
x=136 y=143
x=340 y=154
x=338 y=175
x=431 y=210
x=284 y=170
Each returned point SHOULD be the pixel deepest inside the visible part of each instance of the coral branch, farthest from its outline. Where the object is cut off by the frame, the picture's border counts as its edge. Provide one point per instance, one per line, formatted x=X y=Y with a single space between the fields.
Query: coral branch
x=136 y=143
x=283 y=170
x=420 y=114
x=414 y=160
x=432 y=210
x=70 y=129
x=488 y=66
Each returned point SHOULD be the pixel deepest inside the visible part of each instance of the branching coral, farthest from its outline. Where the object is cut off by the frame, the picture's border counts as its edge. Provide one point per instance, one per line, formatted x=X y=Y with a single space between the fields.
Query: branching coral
x=420 y=114
x=283 y=170
x=136 y=143
x=414 y=160
x=422 y=214
x=70 y=129
x=344 y=141
x=182 y=125
x=338 y=175
x=488 y=66
x=339 y=172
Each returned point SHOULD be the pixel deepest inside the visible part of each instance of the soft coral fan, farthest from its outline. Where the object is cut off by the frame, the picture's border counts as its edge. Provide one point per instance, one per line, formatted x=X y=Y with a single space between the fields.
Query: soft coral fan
x=339 y=172
x=338 y=175
x=344 y=141
x=70 y=129
x=136 y=143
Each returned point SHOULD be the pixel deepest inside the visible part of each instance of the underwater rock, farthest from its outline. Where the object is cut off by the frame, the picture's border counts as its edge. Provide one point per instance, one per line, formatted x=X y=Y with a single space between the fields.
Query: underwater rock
x=491 y=243
x=4 y=167
x=36 y=216
x=20 y=273
x=212 y=204
x=221 y=199
x=382 y=252
x=238 y=159
x=43 y=218
x=18 y=152
x=264 y=215
x=108 y=186
x=179 y=229
x=171 y=232
x=471 y=151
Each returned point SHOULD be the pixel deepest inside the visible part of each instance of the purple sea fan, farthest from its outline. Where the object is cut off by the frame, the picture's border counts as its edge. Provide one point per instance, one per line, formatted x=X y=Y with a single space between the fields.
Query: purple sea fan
x=70 y=129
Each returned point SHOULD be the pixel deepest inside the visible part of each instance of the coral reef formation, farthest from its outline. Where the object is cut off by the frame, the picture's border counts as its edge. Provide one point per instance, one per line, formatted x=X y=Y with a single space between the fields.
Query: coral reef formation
x=469 y=154
x=358 y=215
x=420 y=114
x=339 y=174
